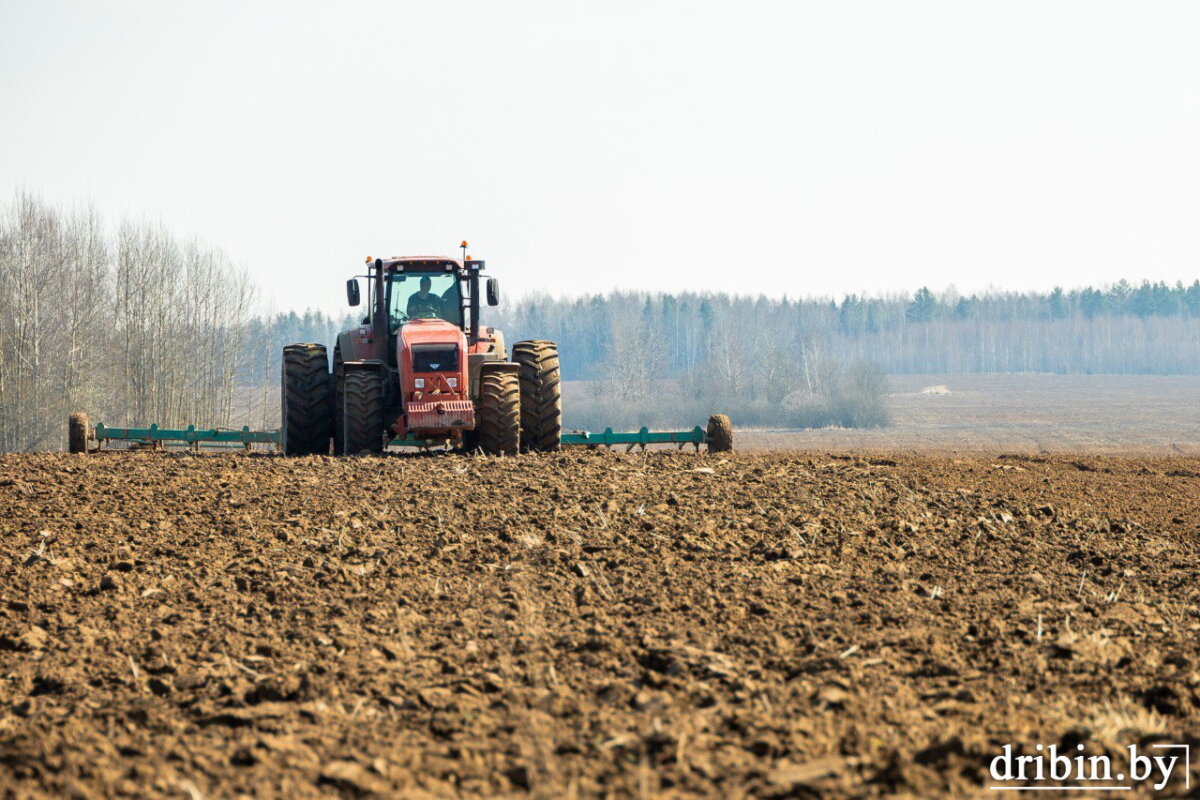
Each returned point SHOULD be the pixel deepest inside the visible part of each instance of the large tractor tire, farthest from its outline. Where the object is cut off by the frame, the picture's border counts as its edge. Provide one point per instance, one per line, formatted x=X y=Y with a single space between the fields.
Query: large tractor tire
x=78 y=431
x=307 y=413
x=541 y=395
x=362 y=412
x=499 y=425
x=720 y=434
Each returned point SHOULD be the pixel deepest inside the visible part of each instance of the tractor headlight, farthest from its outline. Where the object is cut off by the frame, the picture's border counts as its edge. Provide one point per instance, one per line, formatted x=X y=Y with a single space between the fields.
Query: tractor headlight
x=419 y=383
x=453 y=382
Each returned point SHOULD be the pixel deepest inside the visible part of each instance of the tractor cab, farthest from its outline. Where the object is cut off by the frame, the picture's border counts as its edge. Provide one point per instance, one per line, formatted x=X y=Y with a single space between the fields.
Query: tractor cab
x=422 y=370
x=424 y=287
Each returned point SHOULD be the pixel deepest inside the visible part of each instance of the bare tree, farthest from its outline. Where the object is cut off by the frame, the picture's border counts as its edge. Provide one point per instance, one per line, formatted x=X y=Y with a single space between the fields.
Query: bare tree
x=132 y=327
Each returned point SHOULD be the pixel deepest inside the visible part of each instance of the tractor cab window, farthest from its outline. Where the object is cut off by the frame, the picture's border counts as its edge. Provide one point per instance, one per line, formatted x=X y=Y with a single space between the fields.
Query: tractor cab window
x=430 y=295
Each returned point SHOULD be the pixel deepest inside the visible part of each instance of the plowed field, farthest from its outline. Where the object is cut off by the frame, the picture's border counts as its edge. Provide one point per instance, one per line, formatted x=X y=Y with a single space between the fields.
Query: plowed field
x=587 y=624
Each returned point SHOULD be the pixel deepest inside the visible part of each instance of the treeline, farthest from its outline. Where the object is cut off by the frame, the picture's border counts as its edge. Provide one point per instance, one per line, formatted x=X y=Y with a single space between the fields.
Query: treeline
x=1152 y=328
x=126 y=321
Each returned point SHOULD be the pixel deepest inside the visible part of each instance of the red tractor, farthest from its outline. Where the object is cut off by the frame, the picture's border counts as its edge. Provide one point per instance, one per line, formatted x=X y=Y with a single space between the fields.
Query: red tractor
x=422 y=369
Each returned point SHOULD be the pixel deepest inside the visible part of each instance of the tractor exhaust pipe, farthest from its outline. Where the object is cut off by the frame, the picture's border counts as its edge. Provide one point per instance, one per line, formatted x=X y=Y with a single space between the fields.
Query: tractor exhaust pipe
x=379 y=320
x=474 y=307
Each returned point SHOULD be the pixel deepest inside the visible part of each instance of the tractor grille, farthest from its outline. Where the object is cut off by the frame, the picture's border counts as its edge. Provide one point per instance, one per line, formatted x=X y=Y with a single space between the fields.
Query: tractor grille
x=435 y=358
x=440 y=415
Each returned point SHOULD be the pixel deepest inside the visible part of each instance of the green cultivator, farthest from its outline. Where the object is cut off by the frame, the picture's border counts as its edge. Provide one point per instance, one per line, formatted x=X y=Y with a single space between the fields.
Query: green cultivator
x=80 y=433
x=82 y=436
x=718 y=437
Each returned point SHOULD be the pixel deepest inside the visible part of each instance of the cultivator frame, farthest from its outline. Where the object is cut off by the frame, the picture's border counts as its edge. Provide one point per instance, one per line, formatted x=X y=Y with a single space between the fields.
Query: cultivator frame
x=195 y=438
x=608 y=438
x=718 y=437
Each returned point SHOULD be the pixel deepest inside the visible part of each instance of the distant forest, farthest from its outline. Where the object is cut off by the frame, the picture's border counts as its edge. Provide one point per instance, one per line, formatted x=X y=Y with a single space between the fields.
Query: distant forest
x=136 y=325
x=1147 y=328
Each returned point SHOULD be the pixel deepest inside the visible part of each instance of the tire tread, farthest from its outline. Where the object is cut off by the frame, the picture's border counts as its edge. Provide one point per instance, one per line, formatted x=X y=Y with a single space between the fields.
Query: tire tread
x=541 y=394
x=362 y=412
x=307 y=402
x=500 y=413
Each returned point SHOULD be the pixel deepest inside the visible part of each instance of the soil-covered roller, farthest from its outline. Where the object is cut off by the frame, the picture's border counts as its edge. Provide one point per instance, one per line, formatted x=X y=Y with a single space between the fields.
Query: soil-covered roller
x=307 y=400
x=541 y=395
x=720 y=434
x=78 y=432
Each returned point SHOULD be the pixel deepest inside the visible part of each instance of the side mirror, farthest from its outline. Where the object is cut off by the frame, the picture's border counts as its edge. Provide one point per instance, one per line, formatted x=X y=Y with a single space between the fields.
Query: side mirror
x=352 y=295
x=493 y=291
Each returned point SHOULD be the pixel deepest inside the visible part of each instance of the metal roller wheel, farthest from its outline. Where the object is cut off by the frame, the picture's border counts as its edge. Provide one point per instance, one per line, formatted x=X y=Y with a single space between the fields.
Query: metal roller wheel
x=720 y=434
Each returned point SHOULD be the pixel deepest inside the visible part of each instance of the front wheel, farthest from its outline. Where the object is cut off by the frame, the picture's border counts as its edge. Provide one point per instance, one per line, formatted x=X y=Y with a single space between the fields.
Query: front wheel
x=362 y=412
x=499 y=424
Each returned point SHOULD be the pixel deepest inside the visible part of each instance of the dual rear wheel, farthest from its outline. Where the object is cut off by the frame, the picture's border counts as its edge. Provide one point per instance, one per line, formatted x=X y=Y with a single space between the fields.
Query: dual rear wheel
x=541 y=395
x=518 y=410
x=307 y=400
x=317 y=406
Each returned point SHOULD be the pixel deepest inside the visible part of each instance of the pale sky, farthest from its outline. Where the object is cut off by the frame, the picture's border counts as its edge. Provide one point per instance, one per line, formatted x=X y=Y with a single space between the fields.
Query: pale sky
x=793 y=147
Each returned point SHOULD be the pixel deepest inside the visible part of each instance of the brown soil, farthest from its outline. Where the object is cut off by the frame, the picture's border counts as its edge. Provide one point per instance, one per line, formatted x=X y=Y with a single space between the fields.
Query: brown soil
x=582 y=624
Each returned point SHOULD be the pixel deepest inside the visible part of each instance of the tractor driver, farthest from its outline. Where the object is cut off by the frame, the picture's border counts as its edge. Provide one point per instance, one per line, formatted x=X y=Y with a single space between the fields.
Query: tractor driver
x=425 y=304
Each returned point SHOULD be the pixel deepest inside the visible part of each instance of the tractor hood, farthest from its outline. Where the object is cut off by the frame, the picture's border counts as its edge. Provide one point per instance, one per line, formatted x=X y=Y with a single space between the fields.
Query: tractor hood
x=432 y=357
x=431 y=345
